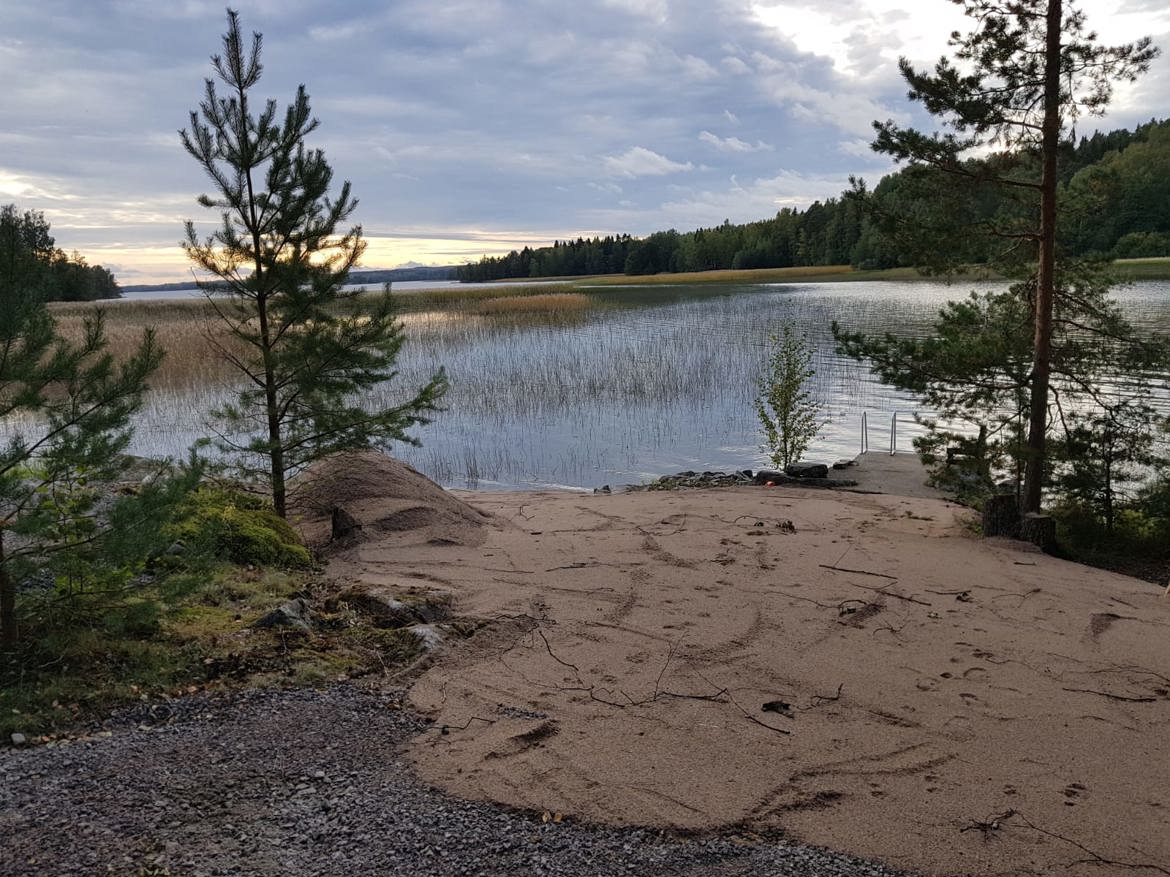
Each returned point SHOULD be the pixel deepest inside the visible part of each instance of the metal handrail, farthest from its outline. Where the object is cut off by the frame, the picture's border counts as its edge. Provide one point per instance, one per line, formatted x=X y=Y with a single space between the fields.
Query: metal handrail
x=893 y=429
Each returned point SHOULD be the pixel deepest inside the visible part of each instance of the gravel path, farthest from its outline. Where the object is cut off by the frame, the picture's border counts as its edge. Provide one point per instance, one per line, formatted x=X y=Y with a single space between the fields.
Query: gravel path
x=310 y=783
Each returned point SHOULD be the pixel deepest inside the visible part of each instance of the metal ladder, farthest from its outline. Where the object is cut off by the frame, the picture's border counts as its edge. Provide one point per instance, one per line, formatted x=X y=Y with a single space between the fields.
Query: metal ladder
x=893 y=430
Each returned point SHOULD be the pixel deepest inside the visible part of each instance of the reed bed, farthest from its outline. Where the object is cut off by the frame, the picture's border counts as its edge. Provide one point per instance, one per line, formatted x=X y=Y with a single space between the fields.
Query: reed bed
x=619 y=386
x=186 y=331
x=548 y=386
x=1153 y=268
x=452 y=297
x=552 y=302
x=189 y=330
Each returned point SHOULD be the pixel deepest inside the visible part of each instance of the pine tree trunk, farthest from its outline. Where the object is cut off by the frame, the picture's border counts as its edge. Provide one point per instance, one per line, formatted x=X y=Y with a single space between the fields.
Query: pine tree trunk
x=1046 y=277
x=272 y=410
x=8 y=631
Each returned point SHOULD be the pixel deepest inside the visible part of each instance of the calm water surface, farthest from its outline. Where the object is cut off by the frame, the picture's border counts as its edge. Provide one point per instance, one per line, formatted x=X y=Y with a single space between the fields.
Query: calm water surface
x=648 y=382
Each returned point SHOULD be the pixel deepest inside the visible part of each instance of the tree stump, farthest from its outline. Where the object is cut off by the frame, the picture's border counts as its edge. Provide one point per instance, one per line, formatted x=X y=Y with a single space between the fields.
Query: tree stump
x=343 y=524
x=1001 y=516
x=1040 y=530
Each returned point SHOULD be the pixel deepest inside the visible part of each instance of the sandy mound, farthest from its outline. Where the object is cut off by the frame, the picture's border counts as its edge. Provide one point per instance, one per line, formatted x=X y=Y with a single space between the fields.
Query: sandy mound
x=382 y=498
x=856 y=671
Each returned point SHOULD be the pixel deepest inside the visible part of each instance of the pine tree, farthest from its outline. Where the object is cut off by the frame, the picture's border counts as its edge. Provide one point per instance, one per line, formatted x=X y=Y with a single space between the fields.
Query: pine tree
x=68 y=407
x=1024 y=75
x=306 y=348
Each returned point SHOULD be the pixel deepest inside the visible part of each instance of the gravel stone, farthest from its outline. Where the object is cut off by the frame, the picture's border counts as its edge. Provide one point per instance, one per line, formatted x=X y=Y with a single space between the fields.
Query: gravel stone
x=313 y=783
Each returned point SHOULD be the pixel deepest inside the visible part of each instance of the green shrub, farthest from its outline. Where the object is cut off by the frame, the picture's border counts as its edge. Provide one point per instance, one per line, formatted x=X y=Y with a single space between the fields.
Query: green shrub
x=1138 y=544
x=789 y=415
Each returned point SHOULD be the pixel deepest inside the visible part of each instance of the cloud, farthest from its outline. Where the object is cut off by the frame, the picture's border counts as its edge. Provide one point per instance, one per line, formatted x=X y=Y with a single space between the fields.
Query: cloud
x=733 y=144
x=858 y=148
x=637 y=161
x=736 y=66
x=483 y=114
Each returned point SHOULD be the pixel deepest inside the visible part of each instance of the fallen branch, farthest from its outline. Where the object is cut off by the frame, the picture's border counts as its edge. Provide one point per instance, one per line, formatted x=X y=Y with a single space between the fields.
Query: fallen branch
x=445 y=729
x=1095 y=856
x=592 y=690
x=989 y=825
x=863 y=572
x=893 y=594
x=752 y=718
x=572 y=667
x=1107 y=694
x=746 y=714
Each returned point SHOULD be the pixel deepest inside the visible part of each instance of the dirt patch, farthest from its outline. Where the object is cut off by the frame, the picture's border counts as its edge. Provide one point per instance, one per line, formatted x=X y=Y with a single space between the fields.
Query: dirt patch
x=875 y=681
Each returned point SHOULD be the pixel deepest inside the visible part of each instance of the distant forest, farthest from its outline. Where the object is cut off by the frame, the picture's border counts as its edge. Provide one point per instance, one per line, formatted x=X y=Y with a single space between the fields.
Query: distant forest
x=29 y=255
x=1118 y=186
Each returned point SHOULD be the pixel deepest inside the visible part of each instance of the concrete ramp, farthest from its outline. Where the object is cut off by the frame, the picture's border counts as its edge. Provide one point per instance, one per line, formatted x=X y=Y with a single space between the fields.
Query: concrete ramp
x=896 y=474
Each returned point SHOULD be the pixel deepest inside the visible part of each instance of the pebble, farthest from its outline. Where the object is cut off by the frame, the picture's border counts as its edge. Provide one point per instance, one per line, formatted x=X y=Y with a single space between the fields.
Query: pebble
x=226 y=787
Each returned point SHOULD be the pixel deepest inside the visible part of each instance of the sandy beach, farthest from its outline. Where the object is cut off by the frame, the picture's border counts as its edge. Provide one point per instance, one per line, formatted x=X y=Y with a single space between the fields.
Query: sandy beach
x=854 y=671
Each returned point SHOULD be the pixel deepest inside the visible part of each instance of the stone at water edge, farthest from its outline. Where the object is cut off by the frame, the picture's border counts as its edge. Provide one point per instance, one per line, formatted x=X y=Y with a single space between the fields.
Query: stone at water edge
x=807 y=470
x=18 y=739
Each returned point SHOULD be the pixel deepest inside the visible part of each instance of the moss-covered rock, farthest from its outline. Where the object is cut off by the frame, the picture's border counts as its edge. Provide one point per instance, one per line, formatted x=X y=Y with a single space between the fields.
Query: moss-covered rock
x=241 y=528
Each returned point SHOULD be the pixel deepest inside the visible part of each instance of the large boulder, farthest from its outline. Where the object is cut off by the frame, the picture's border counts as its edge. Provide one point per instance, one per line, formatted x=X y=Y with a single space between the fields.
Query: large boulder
x=294 y=614
x=806 y=470
x=389 y=606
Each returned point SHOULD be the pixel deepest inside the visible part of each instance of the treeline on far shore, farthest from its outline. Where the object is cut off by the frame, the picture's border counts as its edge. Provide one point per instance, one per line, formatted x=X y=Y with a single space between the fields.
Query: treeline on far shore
x=30 y=257
x=1115 y=197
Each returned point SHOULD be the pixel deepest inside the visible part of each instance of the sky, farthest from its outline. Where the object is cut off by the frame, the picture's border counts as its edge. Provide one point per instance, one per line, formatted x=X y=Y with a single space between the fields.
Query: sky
x=473 y=127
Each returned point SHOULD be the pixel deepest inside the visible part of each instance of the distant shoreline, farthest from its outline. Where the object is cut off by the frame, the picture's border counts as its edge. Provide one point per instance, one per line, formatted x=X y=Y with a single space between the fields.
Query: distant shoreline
x=1127 y=270
x=374 y=275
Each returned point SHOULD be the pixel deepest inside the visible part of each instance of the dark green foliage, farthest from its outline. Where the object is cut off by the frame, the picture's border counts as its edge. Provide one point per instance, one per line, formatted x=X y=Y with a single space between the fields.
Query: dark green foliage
x=71 y=405
x=563 y=259
x=74 y=543
x=1025 y=71
x=308 y=352
x=1106 y=450
x=917 y=216
x=30 y=259
x=974 y=371
x=1138 y=543
x=238 y=527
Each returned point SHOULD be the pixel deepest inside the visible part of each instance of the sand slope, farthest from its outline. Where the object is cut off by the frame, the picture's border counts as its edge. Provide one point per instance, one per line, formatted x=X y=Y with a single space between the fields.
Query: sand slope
x=920 y=682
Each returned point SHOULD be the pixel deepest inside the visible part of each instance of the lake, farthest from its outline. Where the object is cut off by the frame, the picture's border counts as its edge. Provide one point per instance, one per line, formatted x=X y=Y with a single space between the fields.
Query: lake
x=648 y=381
x=194 y=291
